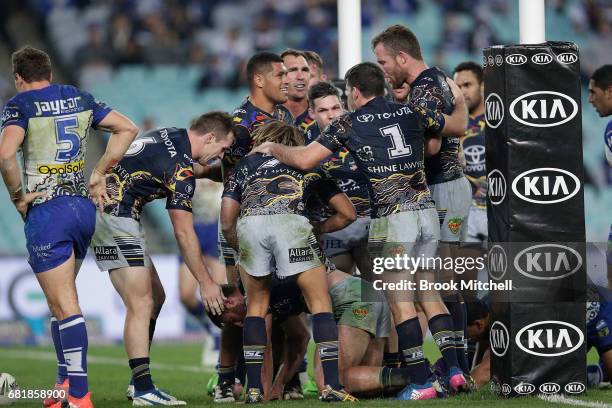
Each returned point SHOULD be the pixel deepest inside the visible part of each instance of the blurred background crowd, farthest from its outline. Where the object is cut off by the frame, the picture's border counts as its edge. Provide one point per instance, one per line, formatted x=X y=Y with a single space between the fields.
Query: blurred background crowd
x=162 y=62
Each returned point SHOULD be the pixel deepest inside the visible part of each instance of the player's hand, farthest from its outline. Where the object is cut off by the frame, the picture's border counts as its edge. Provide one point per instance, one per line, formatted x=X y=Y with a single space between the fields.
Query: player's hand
x=97 y=189
x=22 y=204
x=457 y=94
x=265 y=148
x=213 y=298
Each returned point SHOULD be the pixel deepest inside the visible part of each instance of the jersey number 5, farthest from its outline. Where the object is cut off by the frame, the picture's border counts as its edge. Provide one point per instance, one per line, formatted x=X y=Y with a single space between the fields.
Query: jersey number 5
x=399 y=149
x=65 y=133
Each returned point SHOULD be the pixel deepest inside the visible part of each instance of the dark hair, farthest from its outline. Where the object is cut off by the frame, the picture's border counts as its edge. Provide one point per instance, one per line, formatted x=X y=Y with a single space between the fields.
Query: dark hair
x=471 y=66
x=220 y=123
x=476 y=310
x=368 y=77
x=260 y=62
x=602 y=77
x=321 y=90
x=228 y=290
x=294 y=52
x=314 y=59
x=399 y=38
x=32 y=64
x=278 y=132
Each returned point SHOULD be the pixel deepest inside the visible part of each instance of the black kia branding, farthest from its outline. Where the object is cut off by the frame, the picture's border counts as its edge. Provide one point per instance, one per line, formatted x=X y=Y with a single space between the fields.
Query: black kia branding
x=546 y=185
x=575 y=388
x=494 y=110
x=497 y=262
x=567 y=58
x=499 y=338
x=541 y=58
x=516 y=59
x=548 y=261
x=550 y=388
x=497 y=186
x=550 y=338
x=524 y=388
x=543 y=109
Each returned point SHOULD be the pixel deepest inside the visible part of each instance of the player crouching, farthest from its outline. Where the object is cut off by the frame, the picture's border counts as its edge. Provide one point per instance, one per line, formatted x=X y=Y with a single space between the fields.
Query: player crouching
x=272 y=230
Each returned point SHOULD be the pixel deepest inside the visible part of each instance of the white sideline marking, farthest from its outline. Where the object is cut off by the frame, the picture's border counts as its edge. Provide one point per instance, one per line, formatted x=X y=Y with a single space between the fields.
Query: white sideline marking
x=560 y=399
x=50 y=356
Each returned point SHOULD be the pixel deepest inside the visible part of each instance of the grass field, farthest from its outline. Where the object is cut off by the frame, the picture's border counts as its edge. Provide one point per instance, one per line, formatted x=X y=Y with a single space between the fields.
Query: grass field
x=176 y=369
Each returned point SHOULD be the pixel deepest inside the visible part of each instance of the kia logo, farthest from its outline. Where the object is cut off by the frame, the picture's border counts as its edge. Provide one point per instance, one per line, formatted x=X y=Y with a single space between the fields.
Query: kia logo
x=541 y=58
x=494 y=110
x=550 y=388
x=543 y=109
x=506 y=389
x=567 y=58
x=549 y=338
x=575 y=388
x=548 y=261
x=474 y=154
x=516 y=59
x=546 y=185
x=524 y=388
x=484 y=61
x=491 y=61
x=499 y=60
x=365 y=118
x=496 y=186
x=497 y=262
x=499 y=338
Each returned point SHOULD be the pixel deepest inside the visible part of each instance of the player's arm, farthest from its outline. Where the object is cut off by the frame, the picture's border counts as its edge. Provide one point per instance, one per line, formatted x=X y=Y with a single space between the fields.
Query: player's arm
x=457 y=122
x=432 y=146
x=300 y=157
x=212 y=171
x=344 y=215
x=123 y=131
x=482 y=372
x=230 y=209
x=188 y=243
x=12 y=138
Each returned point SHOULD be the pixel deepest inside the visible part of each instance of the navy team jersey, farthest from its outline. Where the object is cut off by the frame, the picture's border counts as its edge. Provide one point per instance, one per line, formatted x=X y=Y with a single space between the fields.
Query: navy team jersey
x=305 y=122
x=264 y=186
x=56 y=120
x=285 y=298
x=158 y=164
x=608 y=141
x=247 y=118
x=342 y=168
x=430 y=90
x=473 y=144
x=386 y=139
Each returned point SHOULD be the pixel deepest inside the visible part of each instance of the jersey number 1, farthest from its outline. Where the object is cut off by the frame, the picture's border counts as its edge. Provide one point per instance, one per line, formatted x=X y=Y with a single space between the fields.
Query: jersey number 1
x=65 y=133
x=399 y=149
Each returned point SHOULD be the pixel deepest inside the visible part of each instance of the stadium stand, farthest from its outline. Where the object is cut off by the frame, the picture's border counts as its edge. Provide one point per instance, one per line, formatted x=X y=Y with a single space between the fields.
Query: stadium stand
x=165 y=62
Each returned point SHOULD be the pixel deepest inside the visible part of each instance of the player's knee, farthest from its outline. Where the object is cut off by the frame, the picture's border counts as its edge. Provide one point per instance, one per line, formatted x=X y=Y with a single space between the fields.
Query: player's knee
x=141 y=306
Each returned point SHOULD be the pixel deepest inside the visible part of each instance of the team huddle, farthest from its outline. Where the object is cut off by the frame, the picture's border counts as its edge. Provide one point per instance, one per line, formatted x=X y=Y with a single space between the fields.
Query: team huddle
x=313 y=189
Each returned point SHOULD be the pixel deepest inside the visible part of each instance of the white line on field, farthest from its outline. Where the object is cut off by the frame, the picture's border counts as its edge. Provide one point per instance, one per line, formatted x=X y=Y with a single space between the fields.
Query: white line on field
x=50 y=356
x=560 y=399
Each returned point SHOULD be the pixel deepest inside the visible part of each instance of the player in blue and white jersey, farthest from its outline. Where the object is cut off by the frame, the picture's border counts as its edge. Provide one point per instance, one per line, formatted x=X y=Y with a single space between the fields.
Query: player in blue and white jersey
x=50 y=124
x=600 y=96
x=387 y=142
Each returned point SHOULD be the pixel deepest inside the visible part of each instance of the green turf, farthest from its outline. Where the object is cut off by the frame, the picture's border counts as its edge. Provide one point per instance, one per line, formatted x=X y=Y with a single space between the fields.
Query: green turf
x=178 y=371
